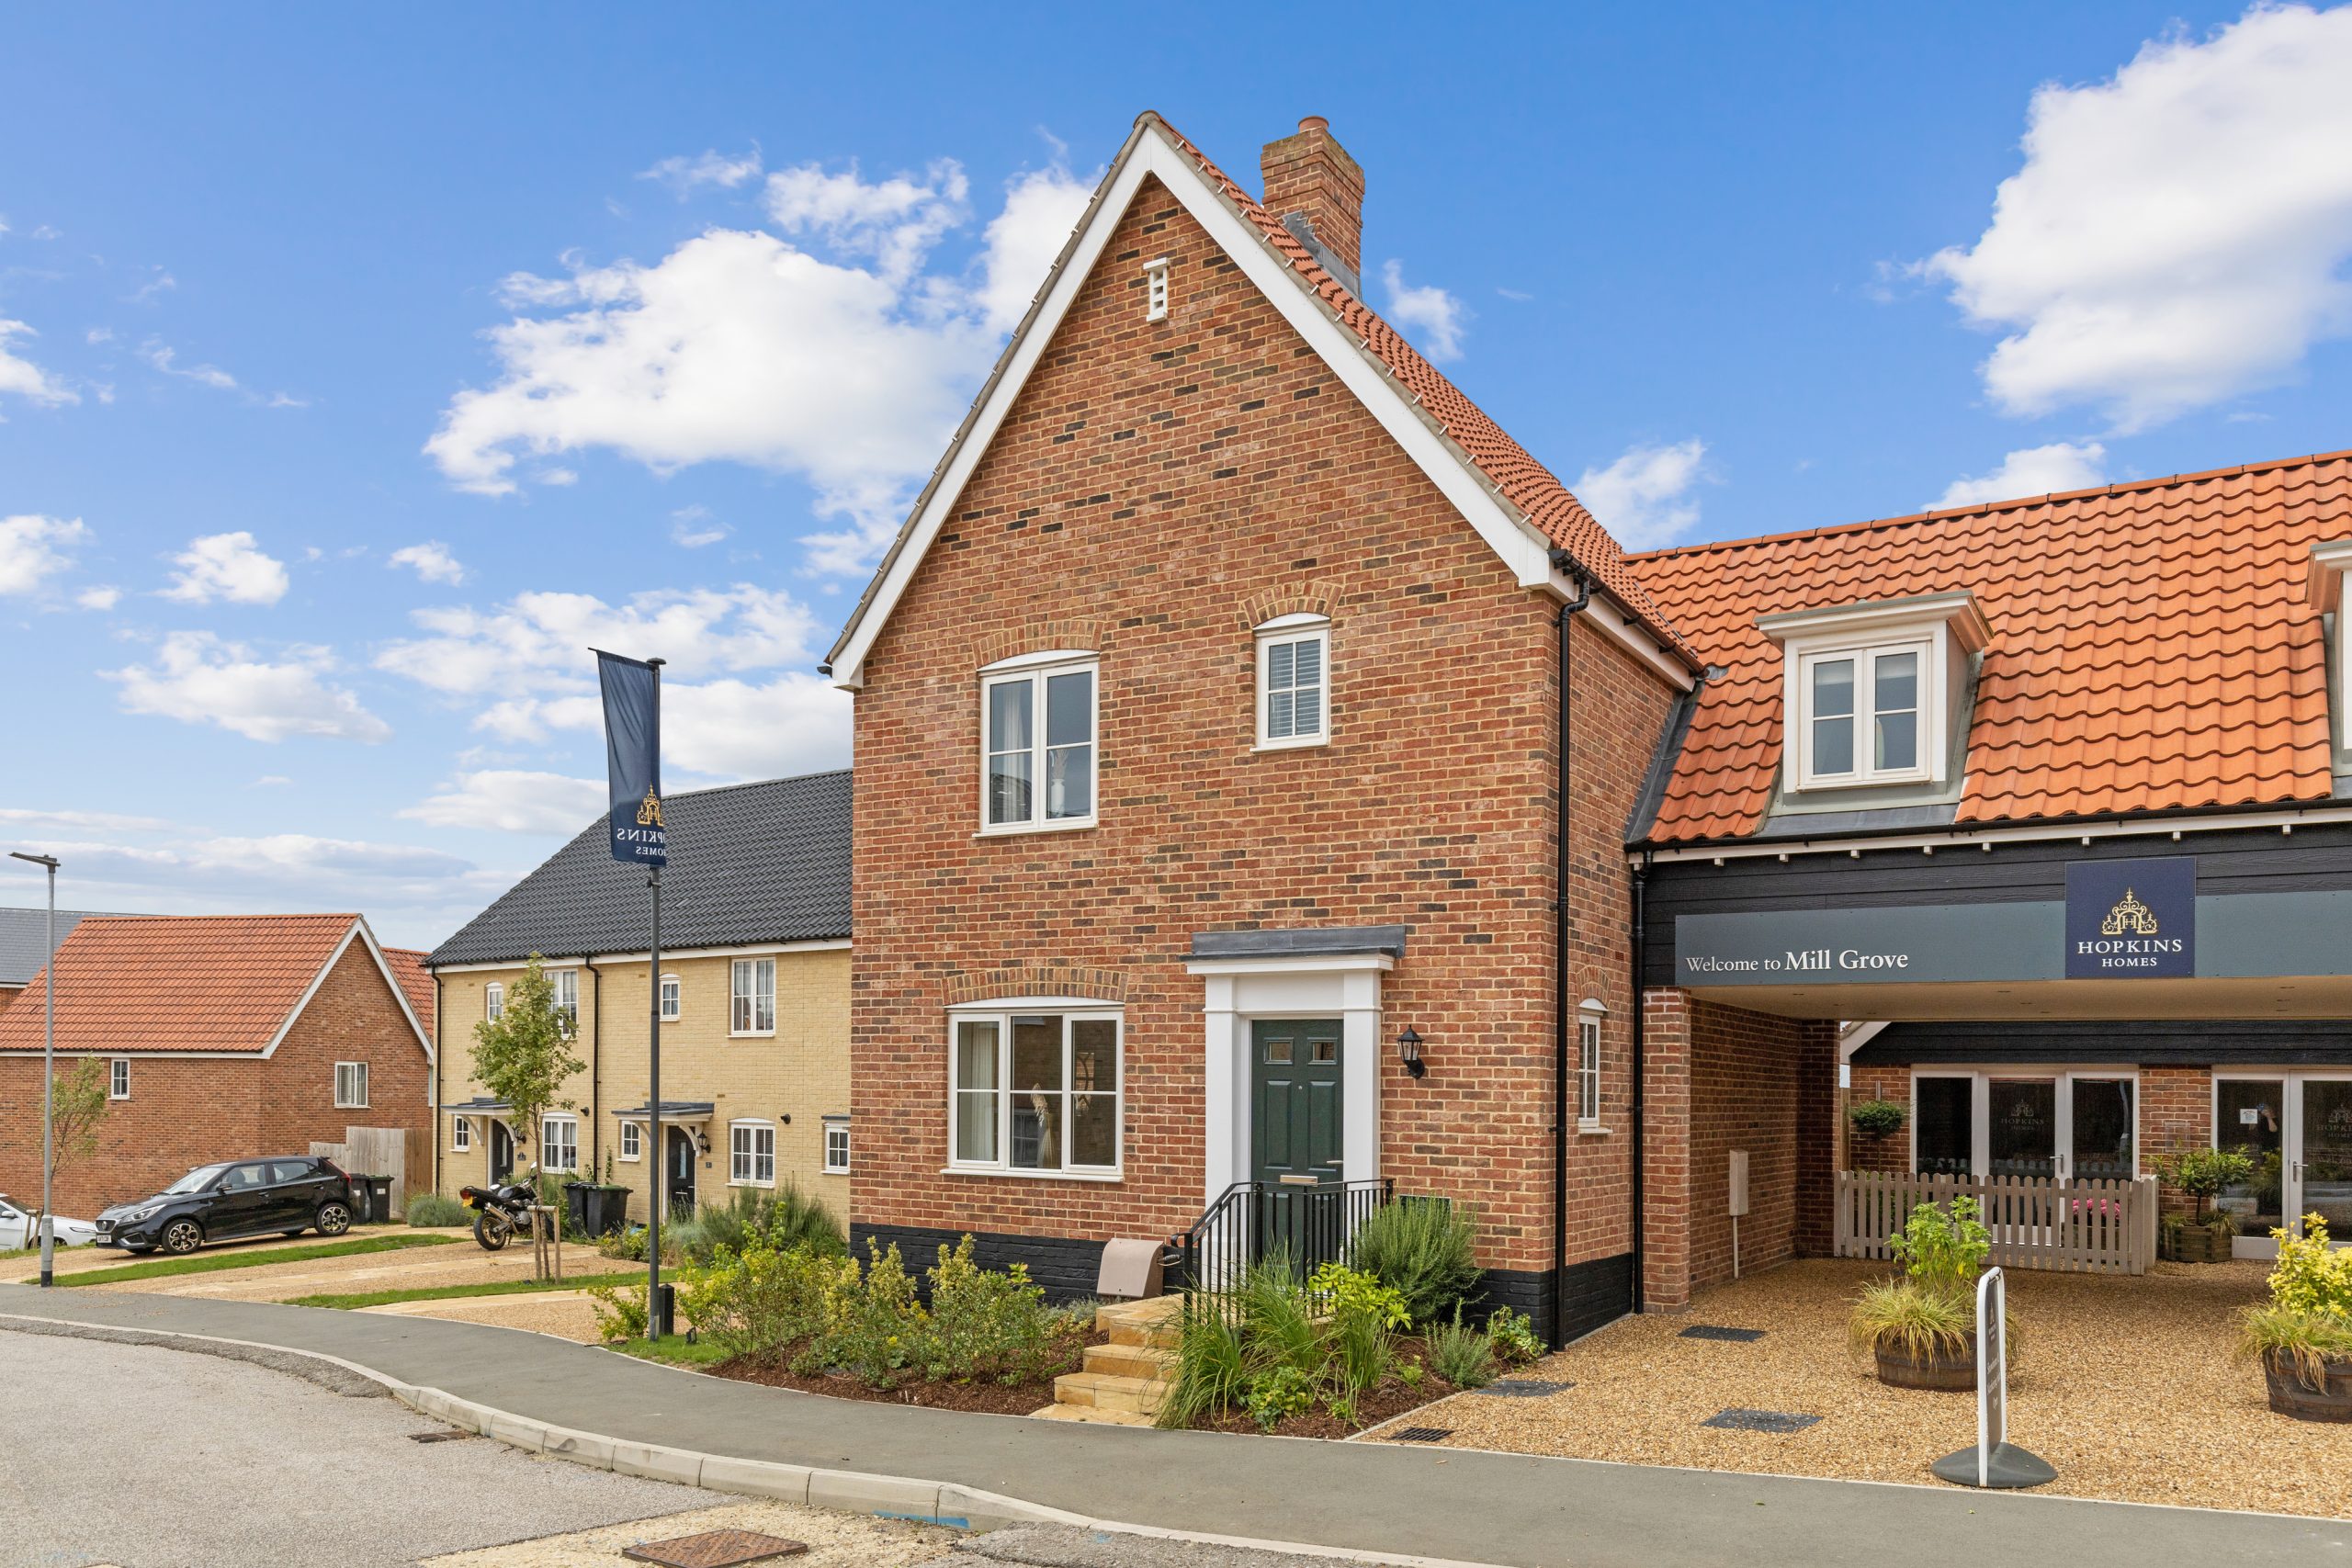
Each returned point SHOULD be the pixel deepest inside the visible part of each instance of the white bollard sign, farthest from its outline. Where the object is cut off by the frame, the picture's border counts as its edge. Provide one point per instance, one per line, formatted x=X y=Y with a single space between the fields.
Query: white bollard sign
x=1992 y=1371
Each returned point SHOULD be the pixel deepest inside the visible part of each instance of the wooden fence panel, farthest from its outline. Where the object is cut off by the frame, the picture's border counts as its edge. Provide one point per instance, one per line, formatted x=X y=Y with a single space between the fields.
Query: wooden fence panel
x=2037 y=1222
x=373 y=1151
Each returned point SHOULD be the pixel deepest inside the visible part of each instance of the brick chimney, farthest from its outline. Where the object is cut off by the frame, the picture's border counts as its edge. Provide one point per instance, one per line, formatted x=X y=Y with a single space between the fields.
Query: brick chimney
x=1317 y=192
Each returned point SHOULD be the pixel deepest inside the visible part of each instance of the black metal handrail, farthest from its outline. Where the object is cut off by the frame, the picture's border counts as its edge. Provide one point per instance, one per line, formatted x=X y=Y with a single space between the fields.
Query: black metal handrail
x=1303 y=1225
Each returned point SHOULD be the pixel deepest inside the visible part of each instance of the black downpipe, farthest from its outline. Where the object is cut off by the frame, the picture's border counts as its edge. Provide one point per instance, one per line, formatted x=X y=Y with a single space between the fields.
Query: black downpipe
x=596 y=1068
x=1564 y=928
x=1641 y=956
x=435 y=1166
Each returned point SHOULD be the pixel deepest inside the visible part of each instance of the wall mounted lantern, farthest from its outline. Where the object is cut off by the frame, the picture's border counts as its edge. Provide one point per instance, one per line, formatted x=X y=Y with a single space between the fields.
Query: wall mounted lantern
x=1408 y=1050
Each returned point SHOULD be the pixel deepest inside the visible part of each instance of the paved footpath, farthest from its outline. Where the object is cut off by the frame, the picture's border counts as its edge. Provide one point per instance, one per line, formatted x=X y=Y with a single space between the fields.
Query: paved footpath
x=1515 y=1509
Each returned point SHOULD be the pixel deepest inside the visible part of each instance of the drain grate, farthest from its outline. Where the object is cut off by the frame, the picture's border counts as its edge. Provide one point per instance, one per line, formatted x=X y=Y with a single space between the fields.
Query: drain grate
x=1523 y=1388
x=449 y=1436
x=1421 y=1435
x=1760 y=1420
x=713 y=1549
x=1708 y=1331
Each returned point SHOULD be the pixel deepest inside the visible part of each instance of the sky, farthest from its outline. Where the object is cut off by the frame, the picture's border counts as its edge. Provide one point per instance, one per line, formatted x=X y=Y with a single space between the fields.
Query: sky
x=361 y=368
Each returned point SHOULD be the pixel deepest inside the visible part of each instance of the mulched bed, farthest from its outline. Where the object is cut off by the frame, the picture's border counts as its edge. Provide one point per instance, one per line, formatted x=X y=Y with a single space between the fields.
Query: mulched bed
x=988 y=1398
x=1389 y=1399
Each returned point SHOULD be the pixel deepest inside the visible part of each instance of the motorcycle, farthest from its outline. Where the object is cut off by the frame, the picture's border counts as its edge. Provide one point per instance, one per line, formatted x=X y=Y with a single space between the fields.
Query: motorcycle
x=501 y=1211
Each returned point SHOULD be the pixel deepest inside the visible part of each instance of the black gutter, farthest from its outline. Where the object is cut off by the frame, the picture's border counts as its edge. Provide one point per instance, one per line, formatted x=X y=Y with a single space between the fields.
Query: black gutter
x=1564 y=930
x=1640 y=953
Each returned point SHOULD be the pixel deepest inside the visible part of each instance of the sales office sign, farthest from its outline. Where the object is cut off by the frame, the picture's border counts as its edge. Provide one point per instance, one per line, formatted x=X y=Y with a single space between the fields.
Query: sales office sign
x=2131 y=919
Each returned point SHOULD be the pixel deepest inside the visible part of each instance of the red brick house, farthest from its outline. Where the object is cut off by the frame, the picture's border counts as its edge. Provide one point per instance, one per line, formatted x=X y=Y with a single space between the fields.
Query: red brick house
x=1209 y=736
x=226 y=1036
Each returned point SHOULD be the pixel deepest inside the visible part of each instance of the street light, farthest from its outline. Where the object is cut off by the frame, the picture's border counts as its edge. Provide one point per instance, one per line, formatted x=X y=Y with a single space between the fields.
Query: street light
x=47 y=1075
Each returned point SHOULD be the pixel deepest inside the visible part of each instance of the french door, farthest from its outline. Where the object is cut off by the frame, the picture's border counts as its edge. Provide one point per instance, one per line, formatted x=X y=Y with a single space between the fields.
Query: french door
x=1999 y=1122
x=2297 y=1129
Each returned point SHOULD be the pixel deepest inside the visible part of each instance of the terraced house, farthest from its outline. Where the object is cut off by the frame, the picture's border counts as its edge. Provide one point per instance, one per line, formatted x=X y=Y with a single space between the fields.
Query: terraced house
x=753 y=1005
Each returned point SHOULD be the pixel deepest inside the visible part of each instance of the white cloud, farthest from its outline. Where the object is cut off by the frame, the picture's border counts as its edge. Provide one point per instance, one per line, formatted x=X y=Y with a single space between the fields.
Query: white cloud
x=691 y=527
x=2033 y=470
x=25 y=820
x=2179 y=233
x=828 y=349
x=196 y=678
x=104 y=597
x=513 y=800
x=686 y=176
x=431 y=561
x=270 y=781
x=227 y=566
x=1434 y=319
x=158 y=285
x=23 y=378
x=1644 y=498
x=166 y=359
x=34 y=548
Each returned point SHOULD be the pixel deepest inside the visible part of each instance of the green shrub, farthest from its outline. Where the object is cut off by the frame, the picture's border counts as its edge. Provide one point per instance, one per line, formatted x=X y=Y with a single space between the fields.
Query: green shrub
x=1943 y=1251
x=431 y=1209
x=2203 y=1173
x=783 y=1218
x=620 y=1310
x=1875 y=1118
x=1516 y=1341
x=1422 y=1248
x=986 y=1325
x=760 y=1300
x=1913 y=1319
x=1278 y=1391
x=1212 y=1370
x=1462 y=1354
x=1364 y=1316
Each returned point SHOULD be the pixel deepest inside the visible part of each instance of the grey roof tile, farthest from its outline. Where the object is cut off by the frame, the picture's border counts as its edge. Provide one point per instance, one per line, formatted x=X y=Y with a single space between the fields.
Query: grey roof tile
x=24 y=940
x=748 y=864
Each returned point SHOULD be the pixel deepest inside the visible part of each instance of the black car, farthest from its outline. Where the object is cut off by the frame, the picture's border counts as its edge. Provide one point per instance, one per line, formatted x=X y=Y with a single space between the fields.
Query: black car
x=286 y=1194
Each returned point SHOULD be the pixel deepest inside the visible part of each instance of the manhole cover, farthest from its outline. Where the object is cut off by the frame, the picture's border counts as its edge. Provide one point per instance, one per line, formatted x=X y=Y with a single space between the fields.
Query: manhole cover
x=1708 y=1331
x=713 y=1549
x=436 y=1436
x=1523 y=1388
x=1760 y=1420
x=1421 y=1435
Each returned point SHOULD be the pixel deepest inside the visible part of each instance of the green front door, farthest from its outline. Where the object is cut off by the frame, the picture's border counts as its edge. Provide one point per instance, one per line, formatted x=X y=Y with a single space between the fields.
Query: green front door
x=1294 y=1101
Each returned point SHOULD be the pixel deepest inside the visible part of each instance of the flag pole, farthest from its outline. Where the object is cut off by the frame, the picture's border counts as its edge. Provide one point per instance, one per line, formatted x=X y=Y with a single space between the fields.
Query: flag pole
x=656 y=1320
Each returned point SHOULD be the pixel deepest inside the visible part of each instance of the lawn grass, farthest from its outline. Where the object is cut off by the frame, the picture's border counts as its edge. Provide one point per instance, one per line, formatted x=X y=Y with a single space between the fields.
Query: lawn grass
x=674 y=1351
x=462 y=1293
x=213 y=1262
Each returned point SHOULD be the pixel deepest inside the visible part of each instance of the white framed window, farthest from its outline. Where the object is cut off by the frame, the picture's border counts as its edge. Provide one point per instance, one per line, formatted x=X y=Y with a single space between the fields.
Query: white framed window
x=632 y=1141
x=462 y=1133
x=1589 y=1068
x=493 y=1001
x=673 y=999
x=1861 y=711
x=753 y=1008
x=1294 y=681
x=1155 y=290
x=1035 y=1093
x=560 y=1143
x=351 y=1085
x=567 y=994
x=836 y=1145
x=750 y=1154
x=1037 y=732
x=119 y=1079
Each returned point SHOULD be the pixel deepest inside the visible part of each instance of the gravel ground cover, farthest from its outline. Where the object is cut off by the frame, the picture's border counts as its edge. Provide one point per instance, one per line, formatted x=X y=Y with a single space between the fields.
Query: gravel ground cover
x=2128 y=1386
x=17 y=1269
x=567 y=1315
x=415 y=1268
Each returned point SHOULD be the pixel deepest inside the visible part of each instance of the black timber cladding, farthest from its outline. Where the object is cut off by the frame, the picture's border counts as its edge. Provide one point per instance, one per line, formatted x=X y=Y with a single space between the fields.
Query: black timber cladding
x=2156 y=1043
x=2316 y=857
x=756 y=862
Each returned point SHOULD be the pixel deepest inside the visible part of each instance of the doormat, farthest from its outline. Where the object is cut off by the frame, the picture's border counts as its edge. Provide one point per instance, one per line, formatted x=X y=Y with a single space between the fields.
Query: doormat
x=1523 y=1388
x=1760 y=1420
x=1708 y=1331
x=713 y=1548
x=1421 y=1435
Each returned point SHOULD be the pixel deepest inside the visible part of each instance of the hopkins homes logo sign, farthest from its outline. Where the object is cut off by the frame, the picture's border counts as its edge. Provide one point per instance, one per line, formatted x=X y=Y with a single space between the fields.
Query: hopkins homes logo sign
x=2131 y=919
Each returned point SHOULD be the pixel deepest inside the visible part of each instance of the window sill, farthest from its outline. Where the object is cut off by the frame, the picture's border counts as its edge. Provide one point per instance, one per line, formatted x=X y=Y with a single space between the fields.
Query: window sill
x=751 y=1034
x=834 y=1170
x=1817 y=785
x=764 y=1185
x=1591 y=1129
x=1019 y=829
x=339 y=1105
x=1307 y=743
x=1007 y=1170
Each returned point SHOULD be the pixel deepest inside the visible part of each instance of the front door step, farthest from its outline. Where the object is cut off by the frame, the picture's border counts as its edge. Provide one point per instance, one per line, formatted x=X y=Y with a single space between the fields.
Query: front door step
x=1125 y=1381
x=1103 y=1392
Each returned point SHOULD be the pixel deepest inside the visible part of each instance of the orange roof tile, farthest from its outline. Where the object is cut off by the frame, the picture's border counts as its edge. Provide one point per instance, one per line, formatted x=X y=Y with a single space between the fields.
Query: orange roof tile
x=1507 y=467
x=177 y=983
x=416 y=983
x=2151 y=645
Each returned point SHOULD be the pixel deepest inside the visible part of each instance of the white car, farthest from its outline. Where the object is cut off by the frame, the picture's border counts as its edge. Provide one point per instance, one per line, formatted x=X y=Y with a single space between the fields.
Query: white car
x=19 y=1228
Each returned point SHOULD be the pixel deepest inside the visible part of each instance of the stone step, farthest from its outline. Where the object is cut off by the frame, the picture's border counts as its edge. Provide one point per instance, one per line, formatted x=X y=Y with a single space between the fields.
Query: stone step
x=1158 y=1320
x=1090 y=1415
x=1101 y=1391
x=1150 y=1361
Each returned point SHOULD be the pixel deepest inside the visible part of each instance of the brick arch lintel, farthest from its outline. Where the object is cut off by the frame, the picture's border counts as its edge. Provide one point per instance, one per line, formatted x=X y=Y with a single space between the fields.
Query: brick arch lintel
x=1305 y=598
x=1038 y=980
x=1036 y=637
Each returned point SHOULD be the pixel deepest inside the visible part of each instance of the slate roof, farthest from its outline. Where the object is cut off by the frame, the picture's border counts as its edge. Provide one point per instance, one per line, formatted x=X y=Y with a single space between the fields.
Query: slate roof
x=2153 y=647
x=752 y=862
x=24 y=940
x=210 y=983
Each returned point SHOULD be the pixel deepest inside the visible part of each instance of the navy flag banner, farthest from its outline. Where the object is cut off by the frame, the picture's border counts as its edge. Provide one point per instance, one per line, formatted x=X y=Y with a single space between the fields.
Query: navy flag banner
x=633 y=758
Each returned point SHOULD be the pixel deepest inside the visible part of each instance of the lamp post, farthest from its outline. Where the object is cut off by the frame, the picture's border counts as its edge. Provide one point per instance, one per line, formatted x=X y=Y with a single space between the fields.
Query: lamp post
x=48 y=1073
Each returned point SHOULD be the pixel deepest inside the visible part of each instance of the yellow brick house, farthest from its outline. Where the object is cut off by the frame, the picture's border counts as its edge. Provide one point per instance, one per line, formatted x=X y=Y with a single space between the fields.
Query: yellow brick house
x=754 y=1005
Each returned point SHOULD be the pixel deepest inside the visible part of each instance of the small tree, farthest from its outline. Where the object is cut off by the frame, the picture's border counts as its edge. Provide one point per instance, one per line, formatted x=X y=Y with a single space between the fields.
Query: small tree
x=524 y=1056
x=78 y=1109
x=2205 y=1174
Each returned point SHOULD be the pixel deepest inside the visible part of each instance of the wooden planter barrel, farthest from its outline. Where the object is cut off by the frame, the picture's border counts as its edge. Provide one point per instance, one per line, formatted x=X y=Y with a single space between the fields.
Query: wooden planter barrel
x=2199 y=1244
x=2291 y=1396
x=1945 y=1371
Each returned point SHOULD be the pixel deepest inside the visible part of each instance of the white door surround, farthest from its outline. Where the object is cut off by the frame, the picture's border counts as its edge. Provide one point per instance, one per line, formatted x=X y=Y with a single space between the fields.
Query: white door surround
x=1241 y=990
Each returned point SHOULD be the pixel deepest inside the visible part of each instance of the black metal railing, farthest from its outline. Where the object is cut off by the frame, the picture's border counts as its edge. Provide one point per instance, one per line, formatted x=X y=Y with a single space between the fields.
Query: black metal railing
x=1298 y=1225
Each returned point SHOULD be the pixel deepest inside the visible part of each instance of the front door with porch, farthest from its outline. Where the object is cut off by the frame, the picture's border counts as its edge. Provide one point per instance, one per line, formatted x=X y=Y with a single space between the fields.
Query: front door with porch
x=679 y=1165
x=1295 y=1129
x=501 y=1153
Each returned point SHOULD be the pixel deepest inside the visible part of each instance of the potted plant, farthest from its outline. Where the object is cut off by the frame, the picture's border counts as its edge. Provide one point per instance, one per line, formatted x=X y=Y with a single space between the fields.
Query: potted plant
x=1921 y=1328
x=2302 y=1334
x=2203 y=1174
x=1875 y=1118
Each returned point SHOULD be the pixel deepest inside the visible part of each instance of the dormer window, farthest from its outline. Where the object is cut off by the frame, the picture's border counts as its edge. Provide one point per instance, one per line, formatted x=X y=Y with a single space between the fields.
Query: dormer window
x=2329 y=563
x=1872 y=690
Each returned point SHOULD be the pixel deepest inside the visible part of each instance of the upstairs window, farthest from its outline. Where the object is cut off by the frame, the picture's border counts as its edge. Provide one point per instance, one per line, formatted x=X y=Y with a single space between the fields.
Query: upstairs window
x=566 y=996
x=351 y=1085
x=1294 y=682
x=754 y=1000
x=493 y=1001
x=1875 y=693
x=119 y=1079
x=1861 y=716
x=673 y=999
x=1037 y=718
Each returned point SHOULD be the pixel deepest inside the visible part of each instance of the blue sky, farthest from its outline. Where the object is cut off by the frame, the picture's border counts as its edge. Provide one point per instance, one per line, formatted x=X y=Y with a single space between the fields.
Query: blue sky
x=359 y=367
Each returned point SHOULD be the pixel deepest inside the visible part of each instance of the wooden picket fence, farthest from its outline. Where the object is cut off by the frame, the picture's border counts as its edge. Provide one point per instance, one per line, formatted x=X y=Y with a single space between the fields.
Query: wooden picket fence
x=373 y=1151
x=2082 y=1227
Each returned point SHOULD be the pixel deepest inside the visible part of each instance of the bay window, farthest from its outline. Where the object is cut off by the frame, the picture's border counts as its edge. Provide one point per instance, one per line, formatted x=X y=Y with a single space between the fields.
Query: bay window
x=1037 y=722
x=1035 y=1092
